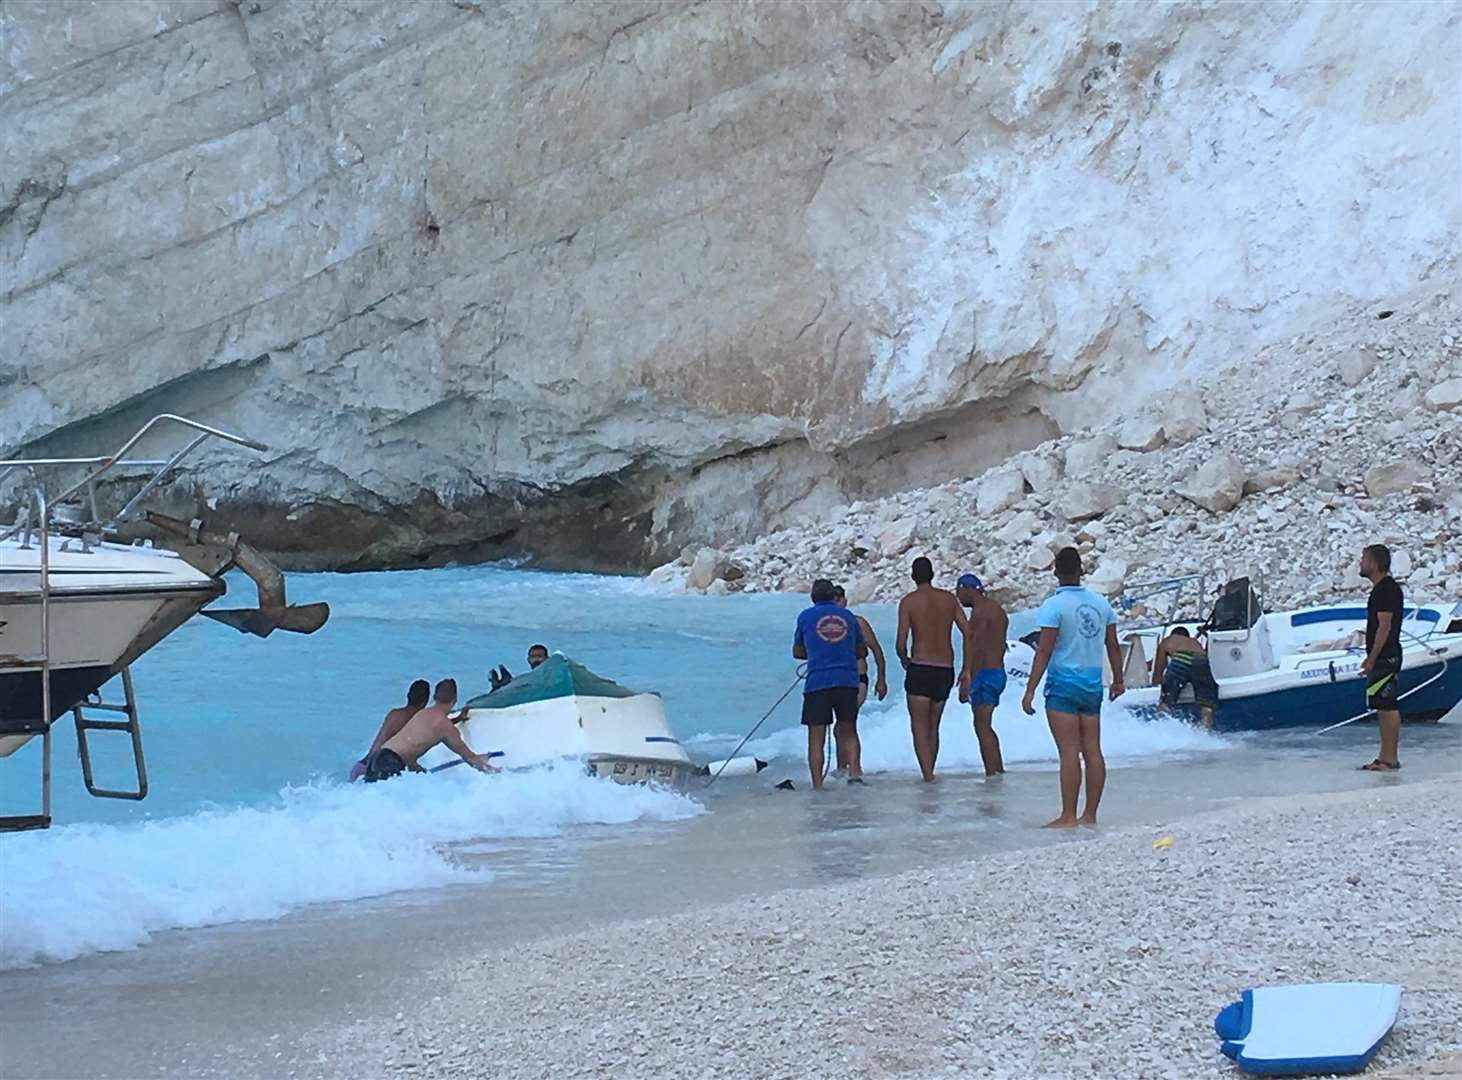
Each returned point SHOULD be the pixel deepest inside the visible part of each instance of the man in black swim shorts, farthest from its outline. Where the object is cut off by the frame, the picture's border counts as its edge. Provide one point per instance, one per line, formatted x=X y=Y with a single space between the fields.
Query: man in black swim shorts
x=382 y=765
x=926 y=617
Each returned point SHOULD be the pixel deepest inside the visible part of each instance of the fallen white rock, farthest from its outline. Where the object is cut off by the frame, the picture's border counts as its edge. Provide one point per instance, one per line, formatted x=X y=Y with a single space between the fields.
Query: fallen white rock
x=1089 y=454
x=1395 y=476
x=1217 y=486
x=1354 y=365
x=1083 y=501
x=708 y=566
x=1184 y=416
x=1041 y=472
x=1444 y=396
x=896 y=539
x=1141 y=433
x=999 y=491
x=1108 y=577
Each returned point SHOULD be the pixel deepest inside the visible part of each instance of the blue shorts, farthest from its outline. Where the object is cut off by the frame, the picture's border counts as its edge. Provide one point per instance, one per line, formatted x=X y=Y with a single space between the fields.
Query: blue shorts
x=988 y=685
x=1069 y=692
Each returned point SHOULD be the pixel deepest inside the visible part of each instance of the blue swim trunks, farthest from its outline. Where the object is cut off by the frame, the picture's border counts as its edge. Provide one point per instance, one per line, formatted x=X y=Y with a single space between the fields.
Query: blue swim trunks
x=1074 y=690
x=988 y=685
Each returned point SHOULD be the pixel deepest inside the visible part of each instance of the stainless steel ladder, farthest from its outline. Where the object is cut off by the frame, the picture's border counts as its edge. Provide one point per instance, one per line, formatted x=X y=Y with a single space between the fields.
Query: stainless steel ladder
x=127 y=708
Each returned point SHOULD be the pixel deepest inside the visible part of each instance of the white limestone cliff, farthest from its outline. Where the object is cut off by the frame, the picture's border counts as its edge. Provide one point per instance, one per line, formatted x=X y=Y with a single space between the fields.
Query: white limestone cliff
x=596 y=281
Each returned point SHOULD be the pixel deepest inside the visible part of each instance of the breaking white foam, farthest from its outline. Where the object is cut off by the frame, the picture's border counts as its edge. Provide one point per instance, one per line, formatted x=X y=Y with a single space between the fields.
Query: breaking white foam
x=88 y=888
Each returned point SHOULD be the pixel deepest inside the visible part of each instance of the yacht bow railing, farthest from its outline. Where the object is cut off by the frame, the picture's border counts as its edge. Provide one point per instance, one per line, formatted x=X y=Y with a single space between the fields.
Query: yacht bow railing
x=34 y=518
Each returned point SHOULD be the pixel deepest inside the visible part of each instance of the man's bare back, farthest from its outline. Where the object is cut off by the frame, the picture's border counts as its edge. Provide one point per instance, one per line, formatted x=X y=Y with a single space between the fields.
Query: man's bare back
x=393 y=723
x=988 y=625
x=423 y=731
x=929 y=615
x=430 y=726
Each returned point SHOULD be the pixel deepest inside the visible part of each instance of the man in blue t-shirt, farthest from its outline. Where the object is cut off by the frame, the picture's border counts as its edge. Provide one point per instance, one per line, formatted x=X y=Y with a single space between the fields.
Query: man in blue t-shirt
x=829 y=638
x=1076 y=625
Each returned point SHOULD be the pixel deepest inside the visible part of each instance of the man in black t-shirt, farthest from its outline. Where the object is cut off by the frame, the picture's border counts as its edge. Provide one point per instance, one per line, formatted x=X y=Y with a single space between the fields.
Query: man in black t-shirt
x=1382 y=666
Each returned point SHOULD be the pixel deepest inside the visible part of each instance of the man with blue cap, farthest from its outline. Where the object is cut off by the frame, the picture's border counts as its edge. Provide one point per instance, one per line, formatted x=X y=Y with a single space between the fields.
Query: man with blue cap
x=988 y=623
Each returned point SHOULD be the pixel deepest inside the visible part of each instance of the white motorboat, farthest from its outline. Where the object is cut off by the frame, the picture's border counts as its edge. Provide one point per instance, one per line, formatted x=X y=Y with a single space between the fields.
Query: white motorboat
x=1302 y=667
x=562 y=710
x=78 y=606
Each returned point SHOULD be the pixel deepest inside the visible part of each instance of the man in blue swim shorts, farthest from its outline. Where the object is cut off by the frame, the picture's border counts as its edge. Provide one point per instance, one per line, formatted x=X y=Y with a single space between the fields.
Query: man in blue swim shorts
x=988 y=623
x=1076 y=624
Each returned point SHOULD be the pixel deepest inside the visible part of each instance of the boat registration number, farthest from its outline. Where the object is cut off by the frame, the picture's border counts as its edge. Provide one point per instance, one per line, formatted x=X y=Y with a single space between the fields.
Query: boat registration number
x=635 y=772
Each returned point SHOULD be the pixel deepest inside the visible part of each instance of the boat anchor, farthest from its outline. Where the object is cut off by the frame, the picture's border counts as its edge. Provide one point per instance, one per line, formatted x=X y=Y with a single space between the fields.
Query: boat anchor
x=273 y=612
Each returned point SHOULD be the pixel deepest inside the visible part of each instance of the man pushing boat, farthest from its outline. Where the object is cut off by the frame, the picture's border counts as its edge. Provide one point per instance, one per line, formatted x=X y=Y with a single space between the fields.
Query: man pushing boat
x=425 y=729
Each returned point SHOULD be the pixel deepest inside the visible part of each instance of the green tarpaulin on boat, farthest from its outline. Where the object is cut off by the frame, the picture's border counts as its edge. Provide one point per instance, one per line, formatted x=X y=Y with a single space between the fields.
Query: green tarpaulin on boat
x=556 y=677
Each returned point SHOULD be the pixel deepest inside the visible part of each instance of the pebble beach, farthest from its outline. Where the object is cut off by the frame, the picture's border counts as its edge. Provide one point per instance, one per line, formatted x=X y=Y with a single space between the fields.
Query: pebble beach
x=1103 y=956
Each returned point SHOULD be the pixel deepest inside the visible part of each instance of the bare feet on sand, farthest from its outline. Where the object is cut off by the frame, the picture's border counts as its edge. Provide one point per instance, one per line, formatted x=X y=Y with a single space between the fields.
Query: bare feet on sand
x=1062 y=823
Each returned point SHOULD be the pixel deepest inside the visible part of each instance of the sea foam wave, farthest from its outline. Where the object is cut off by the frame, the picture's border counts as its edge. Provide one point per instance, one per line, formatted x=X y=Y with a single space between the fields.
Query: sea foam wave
x=88 y=888
x=883 y=729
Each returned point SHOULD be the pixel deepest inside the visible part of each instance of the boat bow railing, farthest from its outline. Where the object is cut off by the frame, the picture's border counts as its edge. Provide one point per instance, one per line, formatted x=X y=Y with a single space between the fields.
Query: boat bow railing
x=33 y=519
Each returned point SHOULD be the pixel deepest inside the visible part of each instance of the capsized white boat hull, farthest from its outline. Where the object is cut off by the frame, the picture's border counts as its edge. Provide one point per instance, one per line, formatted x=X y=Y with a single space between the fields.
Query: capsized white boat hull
x=625 y=739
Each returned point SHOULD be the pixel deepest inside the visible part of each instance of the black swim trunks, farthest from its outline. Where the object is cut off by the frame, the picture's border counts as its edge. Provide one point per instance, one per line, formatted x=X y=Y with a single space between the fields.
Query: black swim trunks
x=383 y=765
x=822 y=707
x=1382 y=685
x=928 y=680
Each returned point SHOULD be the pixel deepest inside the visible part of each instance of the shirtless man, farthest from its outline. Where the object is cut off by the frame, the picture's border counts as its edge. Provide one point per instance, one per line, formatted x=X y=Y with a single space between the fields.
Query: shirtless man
x=424 y=730
x=988 y=623
x=927 y=615
x=1181 y=660
x=395 y=720
x=845 y=736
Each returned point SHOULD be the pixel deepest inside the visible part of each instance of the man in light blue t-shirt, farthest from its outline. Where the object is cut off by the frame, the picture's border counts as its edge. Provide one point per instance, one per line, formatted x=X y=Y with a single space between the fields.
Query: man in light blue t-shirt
x=1077 y=625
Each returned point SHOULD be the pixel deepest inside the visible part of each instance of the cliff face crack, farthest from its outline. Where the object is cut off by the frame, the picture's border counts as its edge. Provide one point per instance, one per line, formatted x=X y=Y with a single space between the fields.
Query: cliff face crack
x=812 y=321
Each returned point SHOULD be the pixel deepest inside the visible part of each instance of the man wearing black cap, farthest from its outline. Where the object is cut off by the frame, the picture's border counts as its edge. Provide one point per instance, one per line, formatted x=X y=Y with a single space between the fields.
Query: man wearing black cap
x=988 y=623
x=829 y=638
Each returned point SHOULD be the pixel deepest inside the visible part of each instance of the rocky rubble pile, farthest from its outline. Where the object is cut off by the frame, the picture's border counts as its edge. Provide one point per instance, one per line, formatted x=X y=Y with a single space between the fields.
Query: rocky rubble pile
x=1285 y=465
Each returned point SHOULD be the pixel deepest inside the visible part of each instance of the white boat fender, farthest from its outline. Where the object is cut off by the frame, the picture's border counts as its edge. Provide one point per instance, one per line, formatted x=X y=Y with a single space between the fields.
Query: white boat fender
x=737 y=766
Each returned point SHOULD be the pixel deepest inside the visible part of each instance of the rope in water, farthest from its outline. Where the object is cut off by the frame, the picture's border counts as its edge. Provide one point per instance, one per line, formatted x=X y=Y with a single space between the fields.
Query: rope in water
x=1399 y=697
x=801 y=674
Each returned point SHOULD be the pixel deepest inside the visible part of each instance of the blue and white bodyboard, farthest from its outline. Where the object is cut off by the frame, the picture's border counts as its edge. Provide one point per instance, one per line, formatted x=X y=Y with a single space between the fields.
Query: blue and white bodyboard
x=1313 y=1028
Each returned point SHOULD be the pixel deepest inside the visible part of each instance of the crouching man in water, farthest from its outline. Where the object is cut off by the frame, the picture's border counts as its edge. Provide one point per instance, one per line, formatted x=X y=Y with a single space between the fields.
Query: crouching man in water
x=988 y=623
x=1075 y=625
x=1180 y=660
x=829 y=638
x=426 y=729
